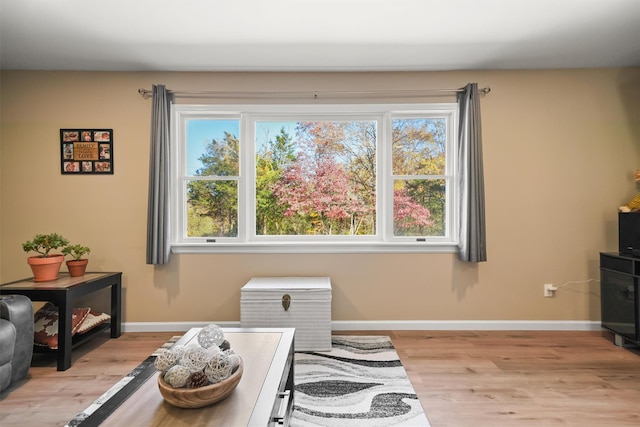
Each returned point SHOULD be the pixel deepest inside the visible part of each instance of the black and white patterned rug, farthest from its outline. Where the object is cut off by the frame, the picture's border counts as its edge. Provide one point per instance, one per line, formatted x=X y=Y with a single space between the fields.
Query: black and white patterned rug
x=360 y=382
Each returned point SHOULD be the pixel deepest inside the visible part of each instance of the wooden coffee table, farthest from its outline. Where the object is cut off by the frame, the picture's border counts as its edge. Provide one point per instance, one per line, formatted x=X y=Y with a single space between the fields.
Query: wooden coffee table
x=264 y=396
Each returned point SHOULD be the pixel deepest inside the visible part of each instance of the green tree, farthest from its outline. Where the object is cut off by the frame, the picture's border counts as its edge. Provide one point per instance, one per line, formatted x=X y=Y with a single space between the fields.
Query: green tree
x=271 y=161
x=212 y=205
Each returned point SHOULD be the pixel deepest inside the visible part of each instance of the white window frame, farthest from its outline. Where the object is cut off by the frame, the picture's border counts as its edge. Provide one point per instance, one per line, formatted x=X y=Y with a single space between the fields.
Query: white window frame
x=248 y=242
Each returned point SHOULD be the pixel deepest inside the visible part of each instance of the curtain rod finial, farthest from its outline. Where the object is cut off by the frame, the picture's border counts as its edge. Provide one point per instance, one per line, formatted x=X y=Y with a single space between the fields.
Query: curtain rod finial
x=145 y=93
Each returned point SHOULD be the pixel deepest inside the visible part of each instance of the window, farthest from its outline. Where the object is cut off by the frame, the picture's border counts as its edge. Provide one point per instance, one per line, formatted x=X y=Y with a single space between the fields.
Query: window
x=309 y=178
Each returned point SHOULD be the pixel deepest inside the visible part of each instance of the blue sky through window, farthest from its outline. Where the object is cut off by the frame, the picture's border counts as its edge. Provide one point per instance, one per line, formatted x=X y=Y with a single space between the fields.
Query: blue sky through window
x=266 y=131
x=200 y=132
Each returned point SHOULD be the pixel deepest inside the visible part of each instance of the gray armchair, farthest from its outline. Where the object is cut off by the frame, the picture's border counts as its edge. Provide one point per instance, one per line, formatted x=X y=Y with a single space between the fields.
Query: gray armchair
x=16 y=338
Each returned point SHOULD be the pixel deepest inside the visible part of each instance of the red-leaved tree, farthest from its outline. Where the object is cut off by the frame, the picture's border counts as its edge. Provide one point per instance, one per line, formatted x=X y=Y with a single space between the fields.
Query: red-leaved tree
x=320 y=190
x=409 y=215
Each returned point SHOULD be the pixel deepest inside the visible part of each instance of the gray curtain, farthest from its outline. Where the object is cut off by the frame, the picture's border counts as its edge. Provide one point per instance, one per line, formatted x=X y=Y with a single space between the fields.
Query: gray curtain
x=472 y=239
x=158 y=239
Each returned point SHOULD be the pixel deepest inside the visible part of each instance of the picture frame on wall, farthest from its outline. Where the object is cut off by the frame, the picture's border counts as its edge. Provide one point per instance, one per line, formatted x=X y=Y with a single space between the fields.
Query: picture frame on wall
x=86 y=151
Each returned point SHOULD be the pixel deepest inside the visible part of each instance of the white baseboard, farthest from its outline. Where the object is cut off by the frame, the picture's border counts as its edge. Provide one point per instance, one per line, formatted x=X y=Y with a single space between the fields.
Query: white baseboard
x=171 y=326
x=397 y=325
x=468 y=325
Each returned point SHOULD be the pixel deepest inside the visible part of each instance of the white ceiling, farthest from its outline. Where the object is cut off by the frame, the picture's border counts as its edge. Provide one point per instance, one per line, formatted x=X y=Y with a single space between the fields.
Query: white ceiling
x=317 y=35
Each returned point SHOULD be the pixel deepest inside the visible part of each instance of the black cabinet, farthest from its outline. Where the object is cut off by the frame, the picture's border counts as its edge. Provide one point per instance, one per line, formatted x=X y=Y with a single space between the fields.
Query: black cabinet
x=620 y=308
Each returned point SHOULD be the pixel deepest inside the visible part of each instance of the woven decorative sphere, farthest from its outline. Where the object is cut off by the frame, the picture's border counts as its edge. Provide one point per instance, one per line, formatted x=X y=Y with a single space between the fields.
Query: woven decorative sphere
x=218 y=368
x=177 y=376
x=195 y=359
x=234 y=359
x=210 y=335
x=213 y=350
x=168 y=358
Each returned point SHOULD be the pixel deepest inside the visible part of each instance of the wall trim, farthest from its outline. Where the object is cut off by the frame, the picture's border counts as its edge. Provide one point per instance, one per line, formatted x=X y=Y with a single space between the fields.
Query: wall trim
x=398 y=325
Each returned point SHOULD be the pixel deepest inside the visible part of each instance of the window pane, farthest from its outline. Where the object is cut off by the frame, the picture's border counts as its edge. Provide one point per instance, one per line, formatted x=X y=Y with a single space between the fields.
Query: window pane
x=316 y=178
x=419 y=146
x=212 y=147
x=419 y=207
x=212 y=209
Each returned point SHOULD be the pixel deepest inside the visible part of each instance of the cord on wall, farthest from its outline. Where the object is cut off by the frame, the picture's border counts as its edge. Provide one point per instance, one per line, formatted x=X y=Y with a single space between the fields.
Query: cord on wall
x=572 y=282
x=550 y=289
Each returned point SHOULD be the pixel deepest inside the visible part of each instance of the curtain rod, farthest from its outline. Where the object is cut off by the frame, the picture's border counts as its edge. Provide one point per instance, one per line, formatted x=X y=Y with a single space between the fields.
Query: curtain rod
x=146 y=93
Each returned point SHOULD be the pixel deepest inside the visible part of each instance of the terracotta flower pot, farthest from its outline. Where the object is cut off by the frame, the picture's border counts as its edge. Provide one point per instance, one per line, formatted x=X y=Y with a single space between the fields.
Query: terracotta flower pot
x=45 y=269
x=77 y=267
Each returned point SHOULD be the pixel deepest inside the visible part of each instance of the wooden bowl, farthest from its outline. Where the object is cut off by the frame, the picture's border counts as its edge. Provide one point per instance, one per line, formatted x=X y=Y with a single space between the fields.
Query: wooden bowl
x=202 y=396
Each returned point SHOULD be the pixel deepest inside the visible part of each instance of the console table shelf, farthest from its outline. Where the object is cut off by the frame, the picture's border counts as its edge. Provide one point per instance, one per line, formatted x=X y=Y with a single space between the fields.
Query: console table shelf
x=63 y=292
x=619 y=303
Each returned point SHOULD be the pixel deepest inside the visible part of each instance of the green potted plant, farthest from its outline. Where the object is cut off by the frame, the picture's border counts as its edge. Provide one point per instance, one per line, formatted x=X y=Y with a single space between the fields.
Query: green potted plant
x=78 y=265
x=45 y=265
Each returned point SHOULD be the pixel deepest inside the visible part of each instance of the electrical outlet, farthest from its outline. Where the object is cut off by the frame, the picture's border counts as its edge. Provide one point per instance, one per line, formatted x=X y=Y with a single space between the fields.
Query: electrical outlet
x=549 y=290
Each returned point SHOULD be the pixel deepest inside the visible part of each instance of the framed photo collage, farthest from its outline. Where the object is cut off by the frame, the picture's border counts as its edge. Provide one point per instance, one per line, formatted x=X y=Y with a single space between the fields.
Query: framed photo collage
x=86 y=151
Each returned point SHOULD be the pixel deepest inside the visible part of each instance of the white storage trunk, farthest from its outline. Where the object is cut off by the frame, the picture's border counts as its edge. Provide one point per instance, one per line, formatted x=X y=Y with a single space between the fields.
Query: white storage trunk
x=303 y=303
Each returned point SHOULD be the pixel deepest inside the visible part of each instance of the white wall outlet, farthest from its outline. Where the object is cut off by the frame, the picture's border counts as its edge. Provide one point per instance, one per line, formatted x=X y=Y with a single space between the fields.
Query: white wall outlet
x=550 y=290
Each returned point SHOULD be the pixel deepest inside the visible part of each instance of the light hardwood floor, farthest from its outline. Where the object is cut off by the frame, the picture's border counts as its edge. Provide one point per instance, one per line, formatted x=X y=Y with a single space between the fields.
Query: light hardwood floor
x=472 y=378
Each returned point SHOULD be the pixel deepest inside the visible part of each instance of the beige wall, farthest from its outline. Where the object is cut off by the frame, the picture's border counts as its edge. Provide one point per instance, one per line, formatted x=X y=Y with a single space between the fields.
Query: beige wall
x=560 y=147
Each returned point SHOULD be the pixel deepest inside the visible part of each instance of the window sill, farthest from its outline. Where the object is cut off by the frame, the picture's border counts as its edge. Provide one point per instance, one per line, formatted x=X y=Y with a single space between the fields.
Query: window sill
x=312 y=248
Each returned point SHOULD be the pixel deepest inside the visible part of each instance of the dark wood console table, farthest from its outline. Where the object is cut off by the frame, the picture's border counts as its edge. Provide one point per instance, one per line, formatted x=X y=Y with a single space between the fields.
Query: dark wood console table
x=620 y=297
x=63 y=292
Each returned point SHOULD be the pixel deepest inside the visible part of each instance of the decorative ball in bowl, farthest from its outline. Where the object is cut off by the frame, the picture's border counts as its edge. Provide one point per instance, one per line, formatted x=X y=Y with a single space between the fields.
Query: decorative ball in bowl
x=201 y=396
